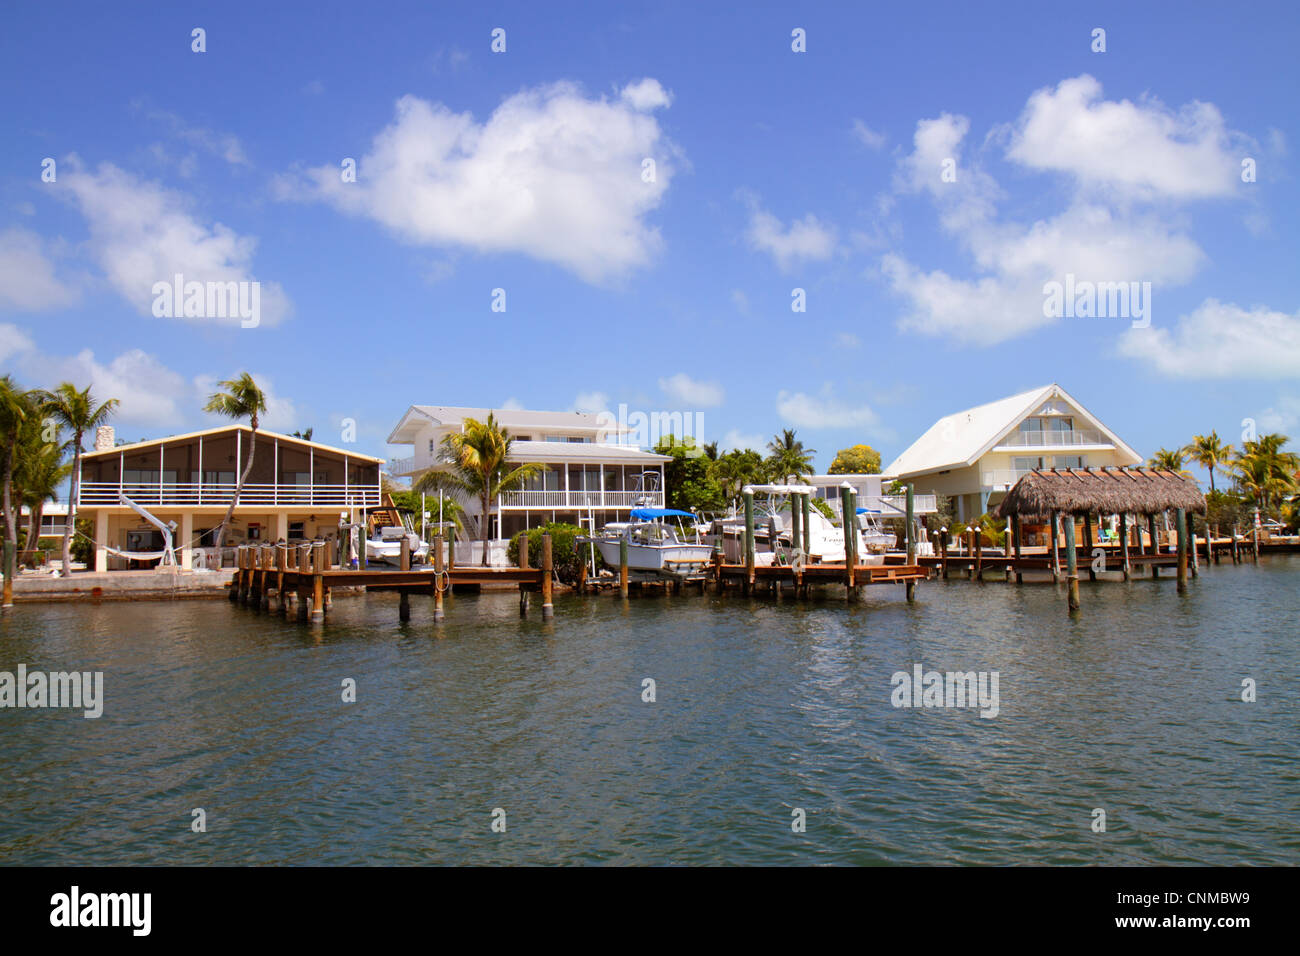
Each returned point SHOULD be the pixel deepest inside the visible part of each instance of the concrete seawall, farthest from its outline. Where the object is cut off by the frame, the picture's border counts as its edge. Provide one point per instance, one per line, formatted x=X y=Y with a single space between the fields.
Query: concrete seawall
x=121 y=586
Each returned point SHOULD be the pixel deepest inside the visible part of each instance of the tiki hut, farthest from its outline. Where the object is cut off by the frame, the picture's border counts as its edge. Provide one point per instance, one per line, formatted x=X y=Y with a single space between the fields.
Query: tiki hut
x=1138 y=491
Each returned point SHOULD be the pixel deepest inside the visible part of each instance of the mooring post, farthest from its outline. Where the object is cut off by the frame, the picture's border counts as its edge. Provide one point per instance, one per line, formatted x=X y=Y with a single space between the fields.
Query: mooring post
x=524 y=543
x=1020 y=578
x=438 y=573
x=1182 y=550
x=1123 y=538
x=264 y=557
x=548 y=611
x=796 y=530
x=911 y=539
x=1191 y=544
x=1087 y=541
x=848 y=518
x=748 y=494
x=1071 y=565
x=622 y=566
x=977 y=545
x=943 y=552
x=405 y=557
x=717 y=560
x=806 y=496
x=1056 y=554
x=317 y=581
x=279 y=576
x=1254 y=539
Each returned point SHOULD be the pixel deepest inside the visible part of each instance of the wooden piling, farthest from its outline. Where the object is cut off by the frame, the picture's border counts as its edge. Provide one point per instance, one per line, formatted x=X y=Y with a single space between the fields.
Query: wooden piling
x=796 y=530
x=849 y=519
x=1191 y=541
x=1182 y=550
x=622 y=567
x=437 y=579
x=1015 y=522
x=1123 y=539
x=911 y=540
x=10 y=569
x=1056 y=554
x=405 y=557
x=1071 y=565
x=749 y=538
x=806 y=497
x=548 y=611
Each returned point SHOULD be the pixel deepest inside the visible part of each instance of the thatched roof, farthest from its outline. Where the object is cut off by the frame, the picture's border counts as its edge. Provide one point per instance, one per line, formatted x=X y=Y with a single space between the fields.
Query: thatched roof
x=1140 y=491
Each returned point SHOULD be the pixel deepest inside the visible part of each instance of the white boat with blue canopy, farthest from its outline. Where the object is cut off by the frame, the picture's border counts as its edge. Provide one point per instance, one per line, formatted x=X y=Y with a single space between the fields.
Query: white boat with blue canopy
x=657 y=541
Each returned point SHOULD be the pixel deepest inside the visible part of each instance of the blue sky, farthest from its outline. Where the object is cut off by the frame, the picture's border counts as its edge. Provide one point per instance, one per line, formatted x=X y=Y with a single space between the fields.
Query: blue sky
x=774 y=170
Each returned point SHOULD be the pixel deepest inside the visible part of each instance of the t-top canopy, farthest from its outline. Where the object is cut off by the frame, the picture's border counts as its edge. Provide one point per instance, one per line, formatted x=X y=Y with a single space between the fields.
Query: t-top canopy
x=651 y=514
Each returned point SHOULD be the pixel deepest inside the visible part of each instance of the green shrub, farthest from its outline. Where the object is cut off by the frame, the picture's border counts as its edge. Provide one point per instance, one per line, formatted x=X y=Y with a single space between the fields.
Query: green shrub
x=566 y=553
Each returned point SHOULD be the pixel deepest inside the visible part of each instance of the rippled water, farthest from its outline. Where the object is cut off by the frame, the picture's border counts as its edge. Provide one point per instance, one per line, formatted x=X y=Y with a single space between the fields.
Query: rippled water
x=762 y=706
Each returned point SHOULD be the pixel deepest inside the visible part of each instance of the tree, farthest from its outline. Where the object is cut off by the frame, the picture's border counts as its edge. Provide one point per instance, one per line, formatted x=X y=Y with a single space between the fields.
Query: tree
x=477 y=461
x=736 y=469
x=16 y=406
x=305 y=434
x=409 y=501
x=1168 y=460
x=1209 y=452
x=78 y=412
x=38 y=472
x=788 y=458
x=691 y=484
x=1264 y=472
x=242 y=398
x=856 y=460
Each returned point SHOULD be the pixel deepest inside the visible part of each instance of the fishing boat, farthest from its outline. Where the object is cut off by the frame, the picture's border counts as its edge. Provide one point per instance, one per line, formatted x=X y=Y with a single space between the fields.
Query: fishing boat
x=773 y=535
x=654 y=545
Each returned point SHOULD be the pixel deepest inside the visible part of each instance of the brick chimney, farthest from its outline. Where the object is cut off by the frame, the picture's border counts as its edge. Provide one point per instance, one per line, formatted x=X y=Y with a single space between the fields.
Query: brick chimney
x=104 y=438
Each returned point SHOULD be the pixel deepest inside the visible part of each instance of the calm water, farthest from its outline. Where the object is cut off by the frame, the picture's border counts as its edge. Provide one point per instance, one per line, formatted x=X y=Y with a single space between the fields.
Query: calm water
x=761 y=707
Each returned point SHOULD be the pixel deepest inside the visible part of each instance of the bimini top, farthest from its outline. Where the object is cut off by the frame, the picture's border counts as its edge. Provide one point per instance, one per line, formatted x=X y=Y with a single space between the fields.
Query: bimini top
x=869 y=511
x=650 y=514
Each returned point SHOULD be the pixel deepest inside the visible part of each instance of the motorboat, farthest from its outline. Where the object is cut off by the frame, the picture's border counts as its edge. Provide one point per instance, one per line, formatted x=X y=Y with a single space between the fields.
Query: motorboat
x=653 y=544
x=387 y=547
x=773 y=532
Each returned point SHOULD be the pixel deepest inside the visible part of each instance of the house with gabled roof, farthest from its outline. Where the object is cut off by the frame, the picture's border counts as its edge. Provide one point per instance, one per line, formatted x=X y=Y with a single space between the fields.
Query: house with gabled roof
x=593 y=473
x=975 y=456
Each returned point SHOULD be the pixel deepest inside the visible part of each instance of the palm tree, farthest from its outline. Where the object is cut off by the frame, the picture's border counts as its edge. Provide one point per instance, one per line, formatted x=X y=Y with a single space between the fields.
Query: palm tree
x=241 y=399
x=736 y=469
x=1264 y=471
x=478 y=466
x=788 y=457
x=16 y=406
x=1168 y=460
x=305 y=434
x=77 y=411
x=39 y=472
x=1209 y=452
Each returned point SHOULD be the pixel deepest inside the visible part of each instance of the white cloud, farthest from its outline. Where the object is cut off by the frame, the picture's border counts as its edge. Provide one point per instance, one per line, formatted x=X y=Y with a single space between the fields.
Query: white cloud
x=684 y=390
x=823 y=411
x=736 y=440
x=511 y=404
x=1143 y=149
x=27 y=279
x=550 y=174
x=740 y=301
x=847 y=340
x=646 y=95
x=1283 y=416
x=867 y=136
x=225 y=145
x=13 y=340
x=1221 y=340
x=591 y=402
x=142 y=233
x=281 y=415
x=805 y=239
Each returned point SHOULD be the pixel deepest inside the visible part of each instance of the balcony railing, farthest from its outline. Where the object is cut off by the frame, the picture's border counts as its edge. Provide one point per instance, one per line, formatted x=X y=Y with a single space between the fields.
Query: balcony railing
x=583 y=499
x=921 y=504
x=108 y=493
x=1053 y=439
x=1002 y=479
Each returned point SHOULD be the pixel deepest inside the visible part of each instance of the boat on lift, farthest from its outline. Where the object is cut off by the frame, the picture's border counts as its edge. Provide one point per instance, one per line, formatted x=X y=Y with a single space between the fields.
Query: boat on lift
x=654 y=545
x=387 y=547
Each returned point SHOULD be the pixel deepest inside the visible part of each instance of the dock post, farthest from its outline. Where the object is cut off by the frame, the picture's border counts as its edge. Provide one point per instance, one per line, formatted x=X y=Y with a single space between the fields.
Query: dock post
x=548 y=611
x=717 y=561
x=524 y=566
x=264 y=576
x=279 y=576
x=1182 y=550
x=1071 y=565
x=1087 y=541
x=848 y=518
x=582 y=576
x=437 y=579
x=1056 y=554
x=796 y=513
x=943 y=553
x=329 y=552
x=748 y=493
x=1123 y=543
x=1155 y=541
x=1020 y=578
x=1254 y=539
x=405 y=556
x=911 y=540
x=317 y=558
x=977 y=546
x=622 y=566
x=1191 y=543
x=403 y=605
x=806 y=497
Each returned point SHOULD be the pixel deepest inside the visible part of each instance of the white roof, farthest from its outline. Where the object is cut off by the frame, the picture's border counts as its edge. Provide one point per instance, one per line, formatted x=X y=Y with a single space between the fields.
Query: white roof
x=509 y=418
x=961 y=439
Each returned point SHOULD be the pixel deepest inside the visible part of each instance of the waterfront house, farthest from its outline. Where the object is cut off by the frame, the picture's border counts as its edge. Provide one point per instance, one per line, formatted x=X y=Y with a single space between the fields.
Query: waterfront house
x=297 y=490
x=975 y=456
x=871 y=494
x=593 y=475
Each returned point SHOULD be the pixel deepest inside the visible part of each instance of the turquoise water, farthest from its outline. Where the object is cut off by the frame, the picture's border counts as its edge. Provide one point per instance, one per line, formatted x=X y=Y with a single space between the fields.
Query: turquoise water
x=761 y=707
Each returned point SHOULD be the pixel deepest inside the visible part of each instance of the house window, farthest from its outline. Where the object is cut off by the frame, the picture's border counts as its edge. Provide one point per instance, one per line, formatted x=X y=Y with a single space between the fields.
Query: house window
x=297 y=530
x=254 y=531
x=1062 y=424
x=1027 y=463
x=1068 y=461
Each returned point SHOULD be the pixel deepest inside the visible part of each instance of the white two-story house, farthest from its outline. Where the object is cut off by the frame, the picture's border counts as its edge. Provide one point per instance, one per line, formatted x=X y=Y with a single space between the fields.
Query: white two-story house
x=591 y=476
x=976 y=455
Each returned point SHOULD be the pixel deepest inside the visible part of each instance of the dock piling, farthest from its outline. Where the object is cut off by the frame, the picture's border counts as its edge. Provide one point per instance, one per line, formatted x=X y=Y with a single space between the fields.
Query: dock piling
x=749 y=538
x=1071 y=565
x=437 y=579
x=911 y=541
x=1182 y=550
x=622 y=567
x=548 y=611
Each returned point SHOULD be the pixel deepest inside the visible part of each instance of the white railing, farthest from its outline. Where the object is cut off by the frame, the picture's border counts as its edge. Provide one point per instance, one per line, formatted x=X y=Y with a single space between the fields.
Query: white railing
x=1002 y=479
x=921 y=504
x=1053 y=439
x=102 y=493
x=583 y=499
